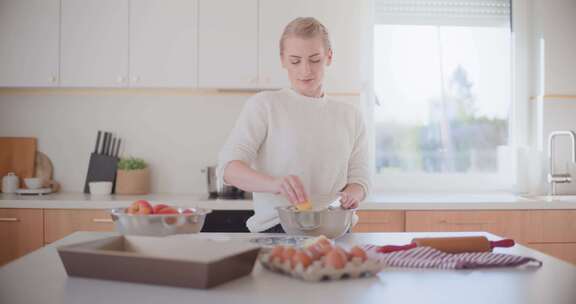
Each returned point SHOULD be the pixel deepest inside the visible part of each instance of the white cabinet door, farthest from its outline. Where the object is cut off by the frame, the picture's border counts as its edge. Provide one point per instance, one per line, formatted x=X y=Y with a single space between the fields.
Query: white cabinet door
x=345 y=21
x=163 y=43
x=29 y=43
x=94 y=43
x=228 y=43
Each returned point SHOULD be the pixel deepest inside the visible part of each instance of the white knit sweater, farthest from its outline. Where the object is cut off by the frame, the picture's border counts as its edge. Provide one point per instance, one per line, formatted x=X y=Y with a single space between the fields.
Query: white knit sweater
x=278 y=133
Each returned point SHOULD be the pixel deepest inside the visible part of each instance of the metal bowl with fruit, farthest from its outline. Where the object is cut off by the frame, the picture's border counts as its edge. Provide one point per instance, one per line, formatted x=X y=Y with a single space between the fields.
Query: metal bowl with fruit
x=141 y=218
x=328 y=219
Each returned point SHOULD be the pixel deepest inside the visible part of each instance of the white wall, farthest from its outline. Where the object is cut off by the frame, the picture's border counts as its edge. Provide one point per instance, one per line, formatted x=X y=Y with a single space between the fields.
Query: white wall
x=560 y=114
x=177 y=135
x=554 y=62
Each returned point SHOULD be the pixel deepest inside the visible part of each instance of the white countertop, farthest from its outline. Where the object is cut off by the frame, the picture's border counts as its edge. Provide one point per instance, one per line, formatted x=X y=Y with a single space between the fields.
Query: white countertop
x=375 y=202
x=39 y=277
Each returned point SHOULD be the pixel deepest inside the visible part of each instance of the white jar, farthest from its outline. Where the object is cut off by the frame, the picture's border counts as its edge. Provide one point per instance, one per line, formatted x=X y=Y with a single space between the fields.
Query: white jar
x=10 y=183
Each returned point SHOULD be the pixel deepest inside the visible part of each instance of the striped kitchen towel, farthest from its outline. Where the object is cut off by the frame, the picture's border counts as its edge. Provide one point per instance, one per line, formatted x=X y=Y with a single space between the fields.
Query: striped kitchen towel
x=428 y=257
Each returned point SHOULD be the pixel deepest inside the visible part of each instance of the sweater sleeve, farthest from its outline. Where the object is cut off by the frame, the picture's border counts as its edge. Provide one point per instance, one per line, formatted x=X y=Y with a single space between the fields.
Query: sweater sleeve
x=359 y=164
x=246 y=137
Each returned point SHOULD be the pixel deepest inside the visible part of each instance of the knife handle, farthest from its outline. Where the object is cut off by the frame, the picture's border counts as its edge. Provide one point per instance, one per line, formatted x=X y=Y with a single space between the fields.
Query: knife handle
x=117 y=152
x=97 y=141
x=112 y=147
x=105 y=144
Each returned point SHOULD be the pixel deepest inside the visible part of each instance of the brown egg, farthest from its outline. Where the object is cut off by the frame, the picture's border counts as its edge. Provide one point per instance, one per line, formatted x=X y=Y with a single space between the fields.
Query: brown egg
x=341 y=252
x=277 y=254
x=288 y=253
x=314 y=252
x=324 y=241
x=325 y=248
x=300 y=257
x=335 y=259
x=357 y=252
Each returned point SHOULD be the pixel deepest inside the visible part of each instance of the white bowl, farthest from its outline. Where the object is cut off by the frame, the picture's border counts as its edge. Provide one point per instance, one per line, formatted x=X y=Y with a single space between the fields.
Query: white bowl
x=100 y=188
x=33 y=182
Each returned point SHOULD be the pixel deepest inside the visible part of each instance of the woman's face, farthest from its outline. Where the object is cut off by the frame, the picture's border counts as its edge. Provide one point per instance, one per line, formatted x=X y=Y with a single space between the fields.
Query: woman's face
x=305 y=60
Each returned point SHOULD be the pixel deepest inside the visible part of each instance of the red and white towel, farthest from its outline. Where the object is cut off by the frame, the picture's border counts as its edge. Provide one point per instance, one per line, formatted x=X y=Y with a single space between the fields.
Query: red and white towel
x=428 y=257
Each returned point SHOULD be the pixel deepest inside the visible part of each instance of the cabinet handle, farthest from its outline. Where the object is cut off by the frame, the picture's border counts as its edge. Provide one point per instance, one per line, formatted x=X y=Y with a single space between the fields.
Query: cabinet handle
x=361 y=221
x=9 y=219
x=464 y=223
x=97 y=220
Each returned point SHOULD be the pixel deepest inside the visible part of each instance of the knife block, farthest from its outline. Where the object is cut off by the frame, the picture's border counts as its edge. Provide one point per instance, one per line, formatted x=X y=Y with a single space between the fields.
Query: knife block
x=102 y=168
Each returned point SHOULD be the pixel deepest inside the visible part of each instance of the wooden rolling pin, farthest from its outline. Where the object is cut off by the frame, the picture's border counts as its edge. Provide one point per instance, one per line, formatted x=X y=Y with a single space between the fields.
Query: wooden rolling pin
x=452 y=244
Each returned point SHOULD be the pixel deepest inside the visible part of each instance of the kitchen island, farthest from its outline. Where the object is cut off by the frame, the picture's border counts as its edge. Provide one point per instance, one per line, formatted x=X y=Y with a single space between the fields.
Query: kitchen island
x=39 y=277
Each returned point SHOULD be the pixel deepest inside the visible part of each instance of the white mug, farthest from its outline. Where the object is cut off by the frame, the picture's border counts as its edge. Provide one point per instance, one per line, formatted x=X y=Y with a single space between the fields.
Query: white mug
x=10 y=183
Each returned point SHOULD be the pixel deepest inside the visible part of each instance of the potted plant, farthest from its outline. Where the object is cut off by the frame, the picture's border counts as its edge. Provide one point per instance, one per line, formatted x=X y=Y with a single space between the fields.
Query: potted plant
x=133 y=176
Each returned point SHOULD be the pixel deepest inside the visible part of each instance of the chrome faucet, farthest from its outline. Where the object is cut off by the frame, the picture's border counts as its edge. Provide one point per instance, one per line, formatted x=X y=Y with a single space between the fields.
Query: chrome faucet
x=555 y=178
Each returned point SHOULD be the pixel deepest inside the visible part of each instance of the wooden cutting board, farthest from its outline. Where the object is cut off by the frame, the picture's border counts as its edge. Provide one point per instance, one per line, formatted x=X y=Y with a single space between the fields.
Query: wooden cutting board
x=18 y=155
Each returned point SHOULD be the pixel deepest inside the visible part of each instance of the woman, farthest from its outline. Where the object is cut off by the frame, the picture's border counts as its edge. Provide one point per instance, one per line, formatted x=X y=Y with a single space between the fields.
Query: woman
x=294 y=143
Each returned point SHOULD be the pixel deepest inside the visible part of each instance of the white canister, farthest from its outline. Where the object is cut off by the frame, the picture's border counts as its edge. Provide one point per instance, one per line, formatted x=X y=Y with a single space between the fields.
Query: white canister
x=10 y=183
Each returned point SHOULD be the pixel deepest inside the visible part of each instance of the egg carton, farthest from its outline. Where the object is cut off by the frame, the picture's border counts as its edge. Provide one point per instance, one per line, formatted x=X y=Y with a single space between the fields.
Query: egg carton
x=319 y=271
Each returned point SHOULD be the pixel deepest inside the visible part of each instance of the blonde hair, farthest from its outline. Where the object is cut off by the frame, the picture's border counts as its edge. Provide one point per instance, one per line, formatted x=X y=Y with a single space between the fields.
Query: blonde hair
x=305 y=27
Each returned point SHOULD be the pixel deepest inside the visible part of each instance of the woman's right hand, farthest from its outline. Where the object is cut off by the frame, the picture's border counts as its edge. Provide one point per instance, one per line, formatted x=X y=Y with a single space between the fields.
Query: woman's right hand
x=291 y=187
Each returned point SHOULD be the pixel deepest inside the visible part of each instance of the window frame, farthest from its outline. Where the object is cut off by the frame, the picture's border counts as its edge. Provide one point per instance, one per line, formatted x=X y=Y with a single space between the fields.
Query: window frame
x=507 y=178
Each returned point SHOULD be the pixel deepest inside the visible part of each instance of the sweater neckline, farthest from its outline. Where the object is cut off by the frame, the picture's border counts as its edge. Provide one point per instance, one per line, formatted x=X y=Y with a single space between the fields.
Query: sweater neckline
x=313 y=100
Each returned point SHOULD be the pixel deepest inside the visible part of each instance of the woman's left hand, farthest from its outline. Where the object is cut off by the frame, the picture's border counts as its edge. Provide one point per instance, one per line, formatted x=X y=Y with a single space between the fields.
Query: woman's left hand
x=351 y=196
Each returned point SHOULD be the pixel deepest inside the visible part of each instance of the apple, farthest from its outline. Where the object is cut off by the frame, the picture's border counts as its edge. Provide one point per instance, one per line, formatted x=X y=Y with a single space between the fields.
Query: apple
x=167 y=210
x=140 y=207
x=159 y=207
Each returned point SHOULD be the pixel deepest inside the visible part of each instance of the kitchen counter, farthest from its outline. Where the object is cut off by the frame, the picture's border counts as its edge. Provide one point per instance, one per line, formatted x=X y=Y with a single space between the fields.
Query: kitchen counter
x=375 y=202
x=39 y=277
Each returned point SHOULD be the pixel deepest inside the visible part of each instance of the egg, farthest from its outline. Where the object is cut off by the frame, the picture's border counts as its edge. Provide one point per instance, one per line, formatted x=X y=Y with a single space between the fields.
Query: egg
x=287 y=254
x=277 y=254
x=334 y=259
x=357 y=252
x=314 y=252
x=300 y=257
x=341 y=252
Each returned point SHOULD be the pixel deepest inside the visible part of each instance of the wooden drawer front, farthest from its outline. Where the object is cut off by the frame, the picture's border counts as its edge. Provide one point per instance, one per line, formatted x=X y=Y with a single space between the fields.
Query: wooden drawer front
x=20 y=233
x=507 y=224
x=379 y=221
x=62 y=222
x=551 y=226
x=563 y=251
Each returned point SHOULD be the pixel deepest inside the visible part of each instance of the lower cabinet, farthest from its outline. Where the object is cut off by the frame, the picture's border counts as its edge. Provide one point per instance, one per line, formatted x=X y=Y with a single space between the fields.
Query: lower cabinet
x=379 y=221
x=550 y=231
x=563 y=251
x=505 y=223
x=20 y=233
x=59 y=223
x=553 y=232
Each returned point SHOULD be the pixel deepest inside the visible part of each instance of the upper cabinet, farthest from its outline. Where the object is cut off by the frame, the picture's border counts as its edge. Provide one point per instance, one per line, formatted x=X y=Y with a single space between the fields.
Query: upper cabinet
x=169 y=43
x=228 y=43
x=29 y=43
x=163 y=43
x=344 y=20
x=120 y=43
x=94 y=43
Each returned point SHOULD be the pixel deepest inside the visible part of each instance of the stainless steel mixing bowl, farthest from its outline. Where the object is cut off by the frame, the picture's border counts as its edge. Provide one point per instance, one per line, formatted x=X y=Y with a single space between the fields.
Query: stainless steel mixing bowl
x=332 y=222
x=159 y=224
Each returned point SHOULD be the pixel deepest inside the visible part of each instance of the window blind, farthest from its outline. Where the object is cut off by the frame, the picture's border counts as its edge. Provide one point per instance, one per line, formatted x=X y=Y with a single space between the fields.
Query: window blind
x=443 y=12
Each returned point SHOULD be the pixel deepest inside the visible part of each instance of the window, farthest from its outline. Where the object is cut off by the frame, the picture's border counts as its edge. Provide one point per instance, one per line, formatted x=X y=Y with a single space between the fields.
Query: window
x=443 y=81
